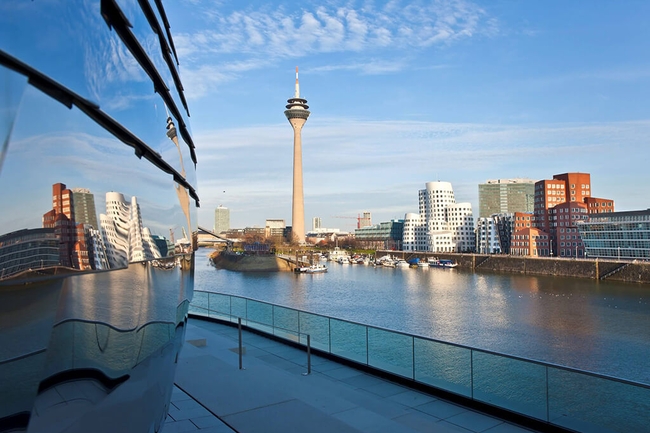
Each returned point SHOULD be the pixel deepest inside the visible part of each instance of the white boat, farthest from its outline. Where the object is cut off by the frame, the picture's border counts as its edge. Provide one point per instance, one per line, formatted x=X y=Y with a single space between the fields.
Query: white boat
x=313 y=269
x=336 y=254
x=441 y=263
x=316 y=269
x=344 y=260
x=402 y=264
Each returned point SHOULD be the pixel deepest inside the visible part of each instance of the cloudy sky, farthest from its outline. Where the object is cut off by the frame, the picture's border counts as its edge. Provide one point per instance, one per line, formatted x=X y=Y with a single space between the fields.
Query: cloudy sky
x=406 y=92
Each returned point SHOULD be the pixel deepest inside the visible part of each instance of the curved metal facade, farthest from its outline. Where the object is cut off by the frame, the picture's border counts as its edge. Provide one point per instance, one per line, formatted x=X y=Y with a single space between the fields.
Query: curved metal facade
x=92 y=308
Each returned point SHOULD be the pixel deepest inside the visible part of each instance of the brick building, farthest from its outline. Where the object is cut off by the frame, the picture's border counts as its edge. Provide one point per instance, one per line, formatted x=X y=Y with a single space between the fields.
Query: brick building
x=560 y=203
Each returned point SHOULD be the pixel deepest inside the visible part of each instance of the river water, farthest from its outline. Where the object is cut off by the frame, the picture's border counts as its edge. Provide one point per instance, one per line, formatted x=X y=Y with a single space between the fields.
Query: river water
x=598 y=326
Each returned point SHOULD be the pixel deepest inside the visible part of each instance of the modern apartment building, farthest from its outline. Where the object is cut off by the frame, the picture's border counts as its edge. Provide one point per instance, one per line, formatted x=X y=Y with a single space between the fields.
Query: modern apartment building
x=496 y=234
x=125 y=238
x=73 y=252
x=530 y=241
x=442 y=225
x=316 y=223
x=28 y=249
x=506 y=196
x=275 y=228
x=487 y=236
x=617 y=235
x=221 y=219
x=84 y=207
x=385 y=235
x=559 y=204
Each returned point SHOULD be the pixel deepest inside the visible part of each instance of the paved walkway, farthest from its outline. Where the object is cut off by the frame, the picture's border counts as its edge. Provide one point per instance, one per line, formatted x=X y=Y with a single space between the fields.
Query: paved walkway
x=271 y=394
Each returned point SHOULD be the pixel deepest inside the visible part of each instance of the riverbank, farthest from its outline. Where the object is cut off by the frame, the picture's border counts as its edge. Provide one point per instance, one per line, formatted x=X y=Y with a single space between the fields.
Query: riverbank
x=249 y=263
x=630 y=272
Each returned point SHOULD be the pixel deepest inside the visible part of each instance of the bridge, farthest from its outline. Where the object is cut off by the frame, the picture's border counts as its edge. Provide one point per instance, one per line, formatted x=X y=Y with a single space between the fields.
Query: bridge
x=203 y=230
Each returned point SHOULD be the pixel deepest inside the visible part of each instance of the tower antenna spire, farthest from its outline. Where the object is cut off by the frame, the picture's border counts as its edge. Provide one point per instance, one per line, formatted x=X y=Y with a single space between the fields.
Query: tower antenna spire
x=297 y=85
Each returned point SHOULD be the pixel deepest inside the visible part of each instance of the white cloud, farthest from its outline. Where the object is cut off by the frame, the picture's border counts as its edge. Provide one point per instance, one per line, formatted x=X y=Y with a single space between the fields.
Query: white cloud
x=372 y=67
x=272 y=35
x=261 y=36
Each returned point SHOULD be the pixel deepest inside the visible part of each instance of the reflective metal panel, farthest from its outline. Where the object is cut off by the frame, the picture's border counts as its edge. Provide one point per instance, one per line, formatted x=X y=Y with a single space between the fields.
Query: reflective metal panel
x=98 y=223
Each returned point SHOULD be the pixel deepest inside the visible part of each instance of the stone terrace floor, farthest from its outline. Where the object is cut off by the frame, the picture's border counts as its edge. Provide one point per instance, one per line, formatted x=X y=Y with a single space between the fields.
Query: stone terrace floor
x=271 y=394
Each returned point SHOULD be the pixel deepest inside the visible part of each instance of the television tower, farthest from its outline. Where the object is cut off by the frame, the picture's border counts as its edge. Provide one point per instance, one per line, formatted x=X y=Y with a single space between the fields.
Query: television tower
x=297 y=113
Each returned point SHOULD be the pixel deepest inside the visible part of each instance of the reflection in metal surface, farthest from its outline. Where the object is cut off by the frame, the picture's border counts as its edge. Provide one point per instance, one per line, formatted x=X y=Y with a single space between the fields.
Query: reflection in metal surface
x=94 y=286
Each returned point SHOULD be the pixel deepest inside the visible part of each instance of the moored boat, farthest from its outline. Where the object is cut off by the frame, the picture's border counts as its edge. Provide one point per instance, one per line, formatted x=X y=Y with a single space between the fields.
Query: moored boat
x=312 y=269
x=442 y=263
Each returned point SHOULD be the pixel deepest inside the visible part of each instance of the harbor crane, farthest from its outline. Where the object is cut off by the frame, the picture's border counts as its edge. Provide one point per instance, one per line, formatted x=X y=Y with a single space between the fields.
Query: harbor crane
x=358 y=218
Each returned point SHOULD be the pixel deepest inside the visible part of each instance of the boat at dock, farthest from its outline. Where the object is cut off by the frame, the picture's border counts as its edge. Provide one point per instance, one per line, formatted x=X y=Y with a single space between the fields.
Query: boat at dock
x=441 y=263
x=312 y=269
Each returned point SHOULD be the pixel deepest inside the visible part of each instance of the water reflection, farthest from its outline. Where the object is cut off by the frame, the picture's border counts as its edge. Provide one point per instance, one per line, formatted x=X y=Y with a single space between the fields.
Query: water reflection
x=569 y=321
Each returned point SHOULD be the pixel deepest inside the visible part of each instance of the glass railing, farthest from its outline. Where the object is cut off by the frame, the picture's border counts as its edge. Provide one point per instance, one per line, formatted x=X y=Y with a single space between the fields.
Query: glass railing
x=561 y=396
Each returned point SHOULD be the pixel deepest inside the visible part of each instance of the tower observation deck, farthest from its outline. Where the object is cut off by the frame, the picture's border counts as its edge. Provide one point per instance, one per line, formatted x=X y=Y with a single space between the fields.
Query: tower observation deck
x=297 y=113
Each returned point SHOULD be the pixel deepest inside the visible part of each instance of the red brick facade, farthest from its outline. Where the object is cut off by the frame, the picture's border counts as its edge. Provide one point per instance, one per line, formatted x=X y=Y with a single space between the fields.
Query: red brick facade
x=559 y=204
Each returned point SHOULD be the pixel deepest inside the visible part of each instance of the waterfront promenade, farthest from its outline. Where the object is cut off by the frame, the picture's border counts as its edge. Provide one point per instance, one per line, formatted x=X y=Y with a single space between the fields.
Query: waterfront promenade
x=271 y=394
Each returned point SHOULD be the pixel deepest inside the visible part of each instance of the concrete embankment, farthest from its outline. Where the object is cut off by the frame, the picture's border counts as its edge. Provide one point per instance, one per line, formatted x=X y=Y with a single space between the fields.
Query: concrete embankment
x=249 y=263
x=633 y=272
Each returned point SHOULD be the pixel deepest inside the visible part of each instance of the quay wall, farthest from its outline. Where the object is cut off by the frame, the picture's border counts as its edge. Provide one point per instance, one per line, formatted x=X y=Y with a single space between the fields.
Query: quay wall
x=249 y=263
x=635 y=272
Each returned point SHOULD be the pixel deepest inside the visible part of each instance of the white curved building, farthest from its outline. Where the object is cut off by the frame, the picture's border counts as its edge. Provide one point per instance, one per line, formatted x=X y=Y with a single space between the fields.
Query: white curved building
x=125 y=239
x=442 y=224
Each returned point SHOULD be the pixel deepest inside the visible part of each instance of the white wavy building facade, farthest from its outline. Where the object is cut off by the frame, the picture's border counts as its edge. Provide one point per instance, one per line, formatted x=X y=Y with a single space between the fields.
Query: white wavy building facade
x=125 y=238
x=442 y=224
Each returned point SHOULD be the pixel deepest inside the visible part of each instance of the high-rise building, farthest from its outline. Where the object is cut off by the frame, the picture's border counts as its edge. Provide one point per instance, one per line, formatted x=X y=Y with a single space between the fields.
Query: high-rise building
x=221 y=219
x=297 y=113
x=365 y=220
x=316 y=223
x=506 y=196
x=442 y=225
x=559 y=204
x=84 y=207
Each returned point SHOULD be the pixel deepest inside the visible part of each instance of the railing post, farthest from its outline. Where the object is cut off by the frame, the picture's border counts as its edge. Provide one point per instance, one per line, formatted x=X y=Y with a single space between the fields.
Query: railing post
x=240 y=343
x=471 y=368
x=413 y=359
x=367 y=348
x=548 y=409
x=308 y=356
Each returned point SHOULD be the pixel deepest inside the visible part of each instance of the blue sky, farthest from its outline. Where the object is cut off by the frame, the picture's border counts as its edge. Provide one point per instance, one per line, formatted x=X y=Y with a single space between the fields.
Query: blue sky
x=403 y=93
